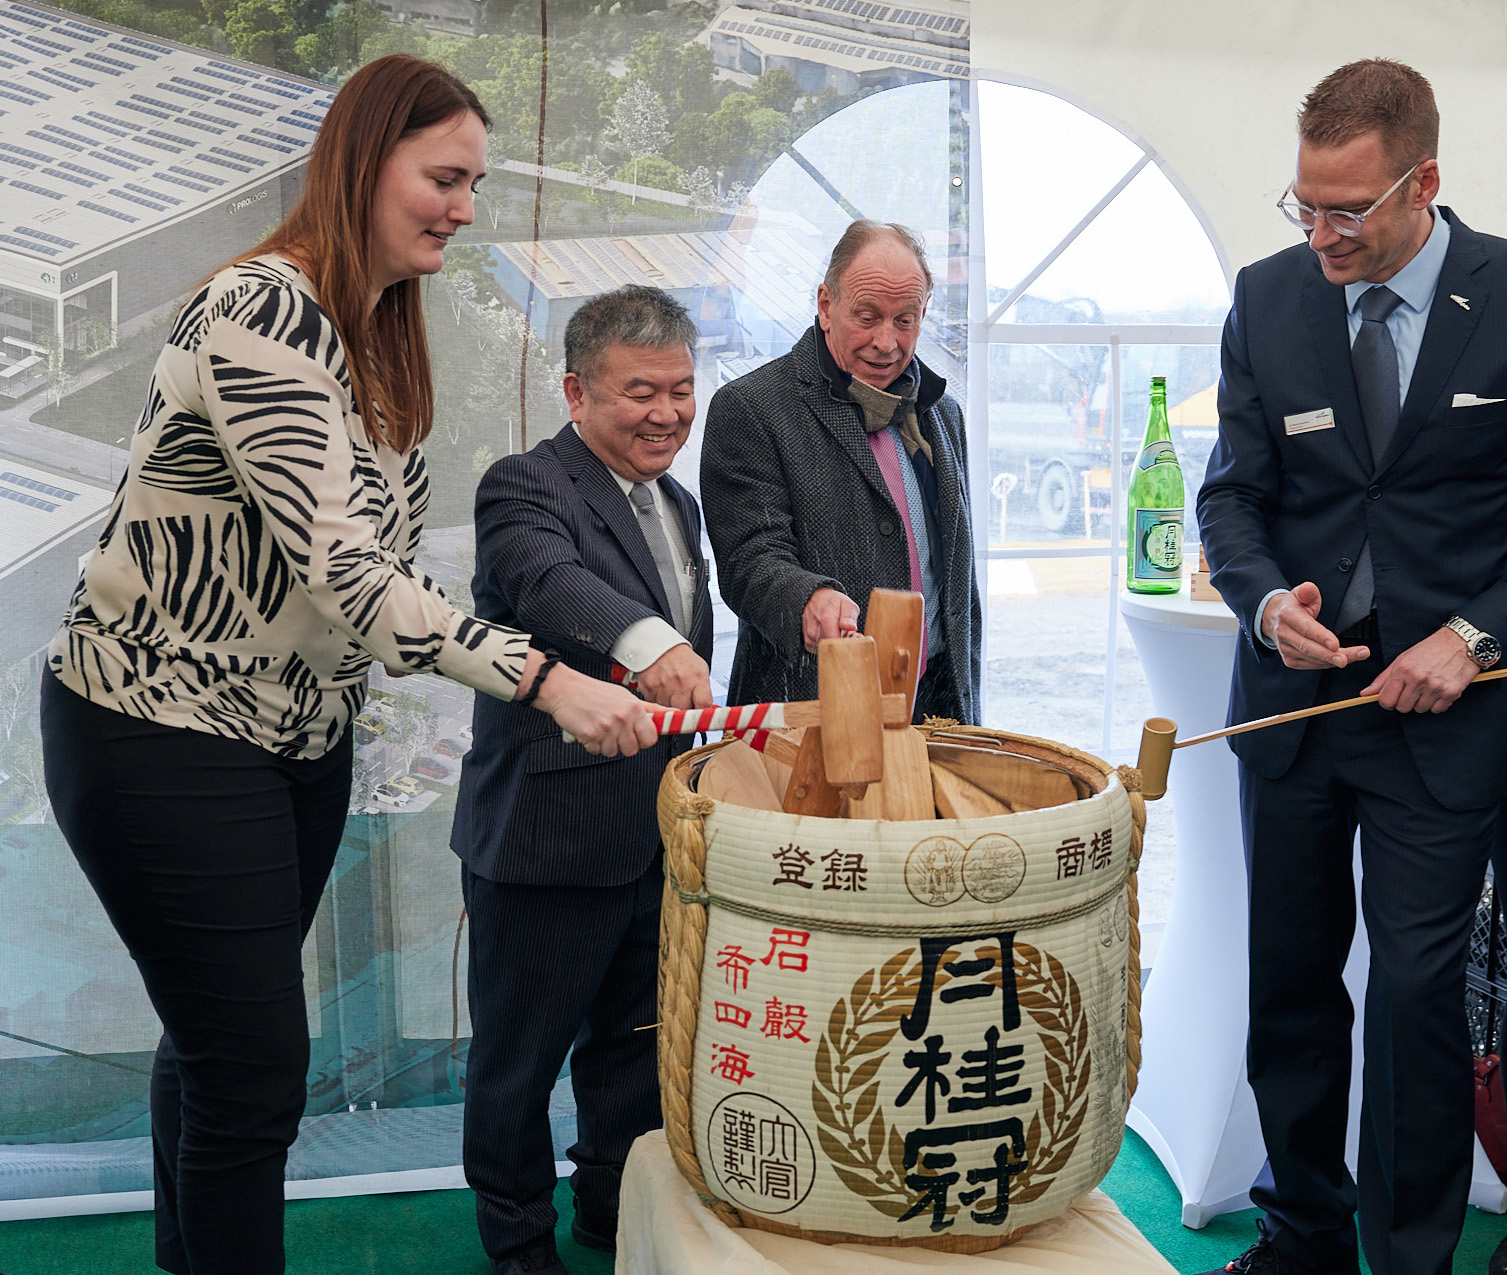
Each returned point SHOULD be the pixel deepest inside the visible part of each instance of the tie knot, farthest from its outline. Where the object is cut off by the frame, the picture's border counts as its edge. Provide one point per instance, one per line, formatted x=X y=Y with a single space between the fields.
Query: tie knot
x=642 y=498
x=1377 y=303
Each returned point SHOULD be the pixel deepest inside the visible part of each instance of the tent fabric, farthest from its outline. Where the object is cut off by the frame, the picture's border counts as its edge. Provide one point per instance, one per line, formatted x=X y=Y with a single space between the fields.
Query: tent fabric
x=1213 y=90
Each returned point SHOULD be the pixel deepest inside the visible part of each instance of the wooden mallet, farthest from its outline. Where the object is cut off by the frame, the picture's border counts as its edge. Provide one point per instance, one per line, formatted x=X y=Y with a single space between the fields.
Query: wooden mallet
x=896 y=622
x=1159 y=735
x=892 y=631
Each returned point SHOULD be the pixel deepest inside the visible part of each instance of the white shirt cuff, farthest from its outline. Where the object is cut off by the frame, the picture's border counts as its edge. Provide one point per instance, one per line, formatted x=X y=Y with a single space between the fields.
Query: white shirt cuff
x=1261 y=613
x=644 y=641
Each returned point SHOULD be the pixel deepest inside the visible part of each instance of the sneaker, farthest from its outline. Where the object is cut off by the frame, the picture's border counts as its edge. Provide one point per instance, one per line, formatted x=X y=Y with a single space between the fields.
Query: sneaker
x=537 y=1257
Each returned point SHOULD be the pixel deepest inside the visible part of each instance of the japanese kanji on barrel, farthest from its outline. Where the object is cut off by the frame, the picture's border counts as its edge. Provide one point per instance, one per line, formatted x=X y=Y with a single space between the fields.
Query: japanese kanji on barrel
x=905 y=1033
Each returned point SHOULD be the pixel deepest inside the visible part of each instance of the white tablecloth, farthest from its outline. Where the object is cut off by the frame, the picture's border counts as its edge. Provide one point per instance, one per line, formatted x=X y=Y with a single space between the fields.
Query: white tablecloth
x=664 y=1230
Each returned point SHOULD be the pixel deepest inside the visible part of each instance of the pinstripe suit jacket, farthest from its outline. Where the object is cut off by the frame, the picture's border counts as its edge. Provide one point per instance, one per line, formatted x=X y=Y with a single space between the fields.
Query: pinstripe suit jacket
x=795 y=502
x=559 y=553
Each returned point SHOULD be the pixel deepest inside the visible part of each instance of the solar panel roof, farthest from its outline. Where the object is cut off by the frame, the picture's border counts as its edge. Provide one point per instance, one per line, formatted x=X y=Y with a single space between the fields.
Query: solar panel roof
x=138 y=108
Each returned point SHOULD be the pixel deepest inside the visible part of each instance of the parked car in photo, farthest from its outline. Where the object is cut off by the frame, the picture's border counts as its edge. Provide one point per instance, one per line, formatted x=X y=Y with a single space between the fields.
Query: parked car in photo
x=363 y=736
x=407 y=783
x=449 y=748
x=373 y=723
x=430 y=768
x=390 y=795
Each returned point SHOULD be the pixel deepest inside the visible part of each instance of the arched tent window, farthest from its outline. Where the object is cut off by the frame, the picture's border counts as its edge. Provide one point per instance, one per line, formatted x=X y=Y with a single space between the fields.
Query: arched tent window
x=1094 y=275
x=890 y=156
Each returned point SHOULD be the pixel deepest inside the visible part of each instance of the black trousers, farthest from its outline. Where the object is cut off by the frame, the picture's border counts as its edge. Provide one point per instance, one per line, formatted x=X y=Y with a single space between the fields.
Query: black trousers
x=209 y=856
x=557 y=969
x=1423 y=867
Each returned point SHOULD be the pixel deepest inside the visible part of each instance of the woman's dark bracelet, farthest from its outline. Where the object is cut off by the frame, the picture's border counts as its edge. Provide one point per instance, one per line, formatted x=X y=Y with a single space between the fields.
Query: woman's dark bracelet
x=551 y=658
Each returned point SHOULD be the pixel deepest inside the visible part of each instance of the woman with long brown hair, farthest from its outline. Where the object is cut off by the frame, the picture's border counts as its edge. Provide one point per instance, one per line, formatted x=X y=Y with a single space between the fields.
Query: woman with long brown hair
x=197 y=708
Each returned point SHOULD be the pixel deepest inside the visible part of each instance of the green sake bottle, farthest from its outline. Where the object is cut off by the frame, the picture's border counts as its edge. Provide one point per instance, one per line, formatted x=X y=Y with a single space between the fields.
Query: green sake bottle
x=1154 y=535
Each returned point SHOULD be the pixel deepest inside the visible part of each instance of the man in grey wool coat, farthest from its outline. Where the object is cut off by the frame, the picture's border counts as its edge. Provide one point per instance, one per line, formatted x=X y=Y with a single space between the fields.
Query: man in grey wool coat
x=840 y=468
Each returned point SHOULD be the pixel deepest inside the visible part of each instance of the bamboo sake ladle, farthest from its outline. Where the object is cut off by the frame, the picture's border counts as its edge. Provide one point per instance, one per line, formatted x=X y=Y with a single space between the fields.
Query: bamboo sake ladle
x=1159 y=735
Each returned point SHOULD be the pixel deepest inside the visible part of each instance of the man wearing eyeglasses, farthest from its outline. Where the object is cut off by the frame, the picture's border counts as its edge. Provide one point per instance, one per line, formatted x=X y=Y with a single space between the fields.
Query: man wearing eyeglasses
x=1355 y=516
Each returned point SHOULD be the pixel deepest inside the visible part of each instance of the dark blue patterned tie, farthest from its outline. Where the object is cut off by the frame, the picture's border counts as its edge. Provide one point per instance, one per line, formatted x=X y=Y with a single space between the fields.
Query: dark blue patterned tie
x=1373 y=358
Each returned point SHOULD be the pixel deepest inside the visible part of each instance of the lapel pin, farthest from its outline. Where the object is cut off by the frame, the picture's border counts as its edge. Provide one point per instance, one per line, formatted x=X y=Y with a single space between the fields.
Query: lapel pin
x=1460 y=301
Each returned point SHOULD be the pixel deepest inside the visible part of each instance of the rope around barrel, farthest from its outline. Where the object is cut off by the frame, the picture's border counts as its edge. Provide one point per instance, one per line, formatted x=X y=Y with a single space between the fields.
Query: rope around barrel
x=683 y=926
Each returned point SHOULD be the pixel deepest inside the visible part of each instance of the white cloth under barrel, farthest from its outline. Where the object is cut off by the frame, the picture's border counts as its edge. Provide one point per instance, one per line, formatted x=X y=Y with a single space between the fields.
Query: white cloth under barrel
x=663 y=1230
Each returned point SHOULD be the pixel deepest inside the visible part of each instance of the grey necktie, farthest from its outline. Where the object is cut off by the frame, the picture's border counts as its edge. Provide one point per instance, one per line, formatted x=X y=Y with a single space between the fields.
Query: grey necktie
x=1373 y=358
x=653 y=527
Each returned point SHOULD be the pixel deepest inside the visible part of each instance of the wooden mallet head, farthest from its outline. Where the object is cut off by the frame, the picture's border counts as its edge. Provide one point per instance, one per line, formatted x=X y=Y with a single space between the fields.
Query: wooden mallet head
x=852 y=711
x=896 y=621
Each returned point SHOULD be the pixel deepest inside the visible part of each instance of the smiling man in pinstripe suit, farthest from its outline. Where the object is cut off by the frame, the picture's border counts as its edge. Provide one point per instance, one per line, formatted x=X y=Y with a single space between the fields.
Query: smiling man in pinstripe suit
x=586 y=543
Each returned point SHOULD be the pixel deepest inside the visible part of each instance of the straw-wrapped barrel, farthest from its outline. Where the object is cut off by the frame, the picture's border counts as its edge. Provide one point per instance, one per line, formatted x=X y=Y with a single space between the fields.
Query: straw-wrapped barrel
x=901 y=1033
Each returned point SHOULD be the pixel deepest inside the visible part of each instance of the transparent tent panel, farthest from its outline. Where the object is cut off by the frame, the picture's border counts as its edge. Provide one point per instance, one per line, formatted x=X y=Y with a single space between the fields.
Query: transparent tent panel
x=800 y=207
x=1144 y=259
x=1051 y=430
x=1046 y=163
x=1050 y=436
x=888 y=155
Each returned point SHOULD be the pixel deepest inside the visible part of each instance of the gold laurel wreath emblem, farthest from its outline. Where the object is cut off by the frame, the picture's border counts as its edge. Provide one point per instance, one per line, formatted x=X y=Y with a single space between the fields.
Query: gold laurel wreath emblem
x=866 y=1152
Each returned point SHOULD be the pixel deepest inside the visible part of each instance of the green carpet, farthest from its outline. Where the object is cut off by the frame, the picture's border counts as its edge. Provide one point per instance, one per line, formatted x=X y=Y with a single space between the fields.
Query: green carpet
x=435 y=1231
x=1145 y=1194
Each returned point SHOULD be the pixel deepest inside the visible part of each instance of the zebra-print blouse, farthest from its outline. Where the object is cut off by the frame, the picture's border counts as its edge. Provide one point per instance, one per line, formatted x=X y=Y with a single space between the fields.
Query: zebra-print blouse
x=257 y=555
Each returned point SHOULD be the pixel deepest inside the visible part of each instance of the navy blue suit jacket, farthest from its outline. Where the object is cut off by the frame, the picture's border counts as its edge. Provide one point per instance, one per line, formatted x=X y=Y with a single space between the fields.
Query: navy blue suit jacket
x=1277 y=509
x=559 y=554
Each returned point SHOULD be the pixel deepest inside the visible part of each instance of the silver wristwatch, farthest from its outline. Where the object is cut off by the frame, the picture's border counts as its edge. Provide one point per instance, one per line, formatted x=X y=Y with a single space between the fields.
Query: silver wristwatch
x=1484 y=649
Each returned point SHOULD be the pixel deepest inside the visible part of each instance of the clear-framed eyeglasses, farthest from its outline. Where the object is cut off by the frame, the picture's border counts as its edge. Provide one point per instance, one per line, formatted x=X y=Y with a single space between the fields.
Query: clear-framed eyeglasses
x=1347 y=224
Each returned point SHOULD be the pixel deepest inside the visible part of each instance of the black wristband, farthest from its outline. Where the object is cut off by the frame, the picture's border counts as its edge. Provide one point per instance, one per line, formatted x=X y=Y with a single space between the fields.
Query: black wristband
x=551 y=658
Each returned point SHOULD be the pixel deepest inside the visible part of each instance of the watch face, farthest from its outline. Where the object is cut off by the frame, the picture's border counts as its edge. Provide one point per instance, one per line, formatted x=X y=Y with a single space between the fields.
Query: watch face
x=1487 y=651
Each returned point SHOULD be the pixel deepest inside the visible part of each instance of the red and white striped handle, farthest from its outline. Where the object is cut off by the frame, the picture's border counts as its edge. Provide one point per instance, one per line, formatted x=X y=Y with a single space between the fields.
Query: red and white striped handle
x=756 y=738
x=751 y=722
x=734 y=717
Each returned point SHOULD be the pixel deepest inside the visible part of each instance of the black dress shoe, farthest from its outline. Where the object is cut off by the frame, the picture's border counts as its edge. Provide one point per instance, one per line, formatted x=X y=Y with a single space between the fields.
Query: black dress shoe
x=537 y=1257
x=1497 y=1263
x=1262 y=1258
x=595 y=1230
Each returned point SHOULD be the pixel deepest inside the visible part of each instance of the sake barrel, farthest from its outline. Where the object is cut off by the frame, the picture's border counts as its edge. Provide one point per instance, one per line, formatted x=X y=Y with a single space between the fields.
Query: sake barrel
x=900 y=1032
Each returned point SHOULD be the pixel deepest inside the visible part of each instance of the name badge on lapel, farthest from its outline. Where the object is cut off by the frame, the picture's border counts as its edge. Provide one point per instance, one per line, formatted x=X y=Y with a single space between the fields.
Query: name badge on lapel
x=1307 y=422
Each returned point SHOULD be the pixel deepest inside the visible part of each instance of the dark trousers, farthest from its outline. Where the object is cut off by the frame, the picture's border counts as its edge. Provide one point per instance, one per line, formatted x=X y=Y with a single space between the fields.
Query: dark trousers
x=936 y=696
x=209 y=856
x=1423 y=867
x=557 y=969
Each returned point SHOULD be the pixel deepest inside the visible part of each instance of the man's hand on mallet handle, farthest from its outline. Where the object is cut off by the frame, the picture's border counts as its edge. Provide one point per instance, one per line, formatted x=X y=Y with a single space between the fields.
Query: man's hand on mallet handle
x=1428 y=677
x=828 y=614
x=1302 y=642
x=677 y=679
